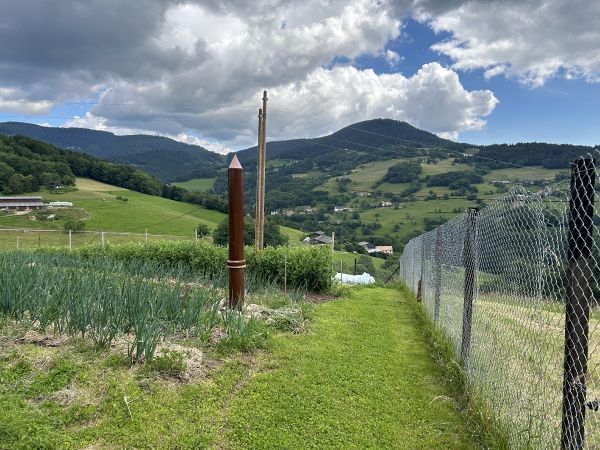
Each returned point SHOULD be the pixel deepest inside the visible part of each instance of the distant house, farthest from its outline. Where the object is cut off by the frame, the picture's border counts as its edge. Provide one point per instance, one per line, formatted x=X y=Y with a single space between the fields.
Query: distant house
x=386 y=204
x=289 y=212
x=274 y=213
x=501 y=181
x=341 y=209
x=21 y=203
x=320 y=240
x=363 y=194
x=385 y=249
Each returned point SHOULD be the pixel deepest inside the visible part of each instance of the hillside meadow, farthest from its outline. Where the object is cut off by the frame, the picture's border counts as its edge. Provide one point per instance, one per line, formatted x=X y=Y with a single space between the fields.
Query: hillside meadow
x=99 y=206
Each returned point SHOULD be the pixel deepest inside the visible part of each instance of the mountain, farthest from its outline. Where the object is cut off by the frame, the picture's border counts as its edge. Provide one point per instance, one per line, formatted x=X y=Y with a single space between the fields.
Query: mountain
x=375 y=139
x=162 y=157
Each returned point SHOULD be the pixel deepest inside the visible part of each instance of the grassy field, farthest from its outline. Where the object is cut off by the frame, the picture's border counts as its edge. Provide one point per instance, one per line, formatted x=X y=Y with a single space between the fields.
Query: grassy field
x=97 y=203
x=196 y=184
x=347 y=259
x=411 y=215
x=362 y=377
x=363 y=177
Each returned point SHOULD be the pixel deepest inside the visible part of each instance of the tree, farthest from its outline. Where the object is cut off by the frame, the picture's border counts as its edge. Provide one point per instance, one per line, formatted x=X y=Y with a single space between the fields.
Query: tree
x=202 y=230
x=74 y=225
x=273 y=236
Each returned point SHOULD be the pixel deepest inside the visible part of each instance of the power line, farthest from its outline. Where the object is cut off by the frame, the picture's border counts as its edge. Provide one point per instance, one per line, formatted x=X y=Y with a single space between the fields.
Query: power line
x=176 y=217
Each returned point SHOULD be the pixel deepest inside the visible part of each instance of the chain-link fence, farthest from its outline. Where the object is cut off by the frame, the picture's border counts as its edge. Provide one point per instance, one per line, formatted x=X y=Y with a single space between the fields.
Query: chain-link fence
x=514 y=286
x=29 y=238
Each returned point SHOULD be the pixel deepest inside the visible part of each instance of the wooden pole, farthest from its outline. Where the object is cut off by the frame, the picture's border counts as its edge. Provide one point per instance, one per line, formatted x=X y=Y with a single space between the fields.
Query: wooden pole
x=263 y=170
x=70 y=241
x=236 y=262
x=258 y=235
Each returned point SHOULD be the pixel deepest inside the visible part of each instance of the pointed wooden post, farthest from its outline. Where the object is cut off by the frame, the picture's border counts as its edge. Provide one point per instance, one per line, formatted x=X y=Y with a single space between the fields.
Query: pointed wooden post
x=236 y=262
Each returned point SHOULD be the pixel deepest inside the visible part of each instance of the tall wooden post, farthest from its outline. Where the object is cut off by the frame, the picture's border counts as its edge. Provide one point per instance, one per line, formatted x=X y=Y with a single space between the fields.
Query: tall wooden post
x=579 y=294
x=236 y=262
x=261 y=168
x=258 y=234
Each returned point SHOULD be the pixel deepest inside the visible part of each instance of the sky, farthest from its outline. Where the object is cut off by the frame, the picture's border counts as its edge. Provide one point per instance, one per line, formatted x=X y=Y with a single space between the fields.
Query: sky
x=479 y=71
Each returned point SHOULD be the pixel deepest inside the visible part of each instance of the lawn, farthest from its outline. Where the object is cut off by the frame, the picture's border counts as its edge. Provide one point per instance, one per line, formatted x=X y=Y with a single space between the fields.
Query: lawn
x=197 y=184
x=361 y=377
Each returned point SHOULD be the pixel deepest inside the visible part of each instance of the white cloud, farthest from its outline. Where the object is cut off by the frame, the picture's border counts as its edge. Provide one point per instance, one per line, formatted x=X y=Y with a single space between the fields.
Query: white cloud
x=433 y=99
x=392 y=58
x=171 y=66
x=529 y=40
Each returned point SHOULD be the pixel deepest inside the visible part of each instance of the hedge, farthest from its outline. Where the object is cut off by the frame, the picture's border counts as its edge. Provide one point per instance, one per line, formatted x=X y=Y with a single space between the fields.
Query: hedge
x=308 y=267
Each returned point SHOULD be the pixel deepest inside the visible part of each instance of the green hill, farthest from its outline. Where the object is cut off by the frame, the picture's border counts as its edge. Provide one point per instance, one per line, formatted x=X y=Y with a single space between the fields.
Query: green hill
x=102 y=207
x=162 y=157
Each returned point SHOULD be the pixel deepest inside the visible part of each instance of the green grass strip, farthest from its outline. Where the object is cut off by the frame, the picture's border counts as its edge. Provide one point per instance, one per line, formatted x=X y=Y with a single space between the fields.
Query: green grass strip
x=362 y=378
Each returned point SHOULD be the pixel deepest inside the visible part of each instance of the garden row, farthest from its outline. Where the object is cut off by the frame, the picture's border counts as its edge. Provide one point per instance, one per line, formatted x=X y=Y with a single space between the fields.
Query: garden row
x=302 y=267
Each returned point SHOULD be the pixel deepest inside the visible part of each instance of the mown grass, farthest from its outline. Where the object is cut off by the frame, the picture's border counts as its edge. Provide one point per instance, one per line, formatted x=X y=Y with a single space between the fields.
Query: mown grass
x=197 y=184
x=363 y=378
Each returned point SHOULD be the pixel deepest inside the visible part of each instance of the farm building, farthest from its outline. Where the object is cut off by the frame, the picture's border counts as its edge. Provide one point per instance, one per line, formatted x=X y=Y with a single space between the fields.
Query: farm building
x=21 y=203
x=386 y=249
x=319 y=238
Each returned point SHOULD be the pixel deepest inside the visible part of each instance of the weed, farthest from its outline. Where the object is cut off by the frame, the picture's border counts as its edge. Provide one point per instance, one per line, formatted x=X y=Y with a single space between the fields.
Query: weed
x=169 y=363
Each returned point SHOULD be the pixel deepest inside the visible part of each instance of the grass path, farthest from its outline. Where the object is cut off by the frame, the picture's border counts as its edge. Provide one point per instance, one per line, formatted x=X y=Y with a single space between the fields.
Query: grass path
x=363 y=378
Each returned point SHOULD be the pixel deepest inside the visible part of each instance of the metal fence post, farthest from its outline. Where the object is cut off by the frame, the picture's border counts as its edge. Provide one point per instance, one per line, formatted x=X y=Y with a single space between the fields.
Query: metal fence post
x=579 y=293
x=437 y=276
x=421 y=270
x=470 y=259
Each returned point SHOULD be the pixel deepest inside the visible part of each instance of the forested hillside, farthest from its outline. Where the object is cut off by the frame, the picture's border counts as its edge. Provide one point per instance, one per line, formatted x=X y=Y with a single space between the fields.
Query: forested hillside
x=162 y=157
x=26 y=165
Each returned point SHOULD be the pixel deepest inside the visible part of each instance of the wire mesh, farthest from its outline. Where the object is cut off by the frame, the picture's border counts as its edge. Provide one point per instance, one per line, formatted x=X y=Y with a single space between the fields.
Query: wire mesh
x=532 y=336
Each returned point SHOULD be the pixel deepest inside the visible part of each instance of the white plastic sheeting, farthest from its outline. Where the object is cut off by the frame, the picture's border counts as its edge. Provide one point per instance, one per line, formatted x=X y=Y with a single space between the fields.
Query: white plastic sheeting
x=346 y=278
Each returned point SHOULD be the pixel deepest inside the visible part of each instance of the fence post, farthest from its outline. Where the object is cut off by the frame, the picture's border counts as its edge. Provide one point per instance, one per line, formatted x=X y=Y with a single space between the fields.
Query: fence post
x=70 y=241
x=354 y=266
x=437 y=276
x=146 y=236
x=17 y=242
x=421 y=270
x=102 y=237
x=470 y=260
x=579 y=293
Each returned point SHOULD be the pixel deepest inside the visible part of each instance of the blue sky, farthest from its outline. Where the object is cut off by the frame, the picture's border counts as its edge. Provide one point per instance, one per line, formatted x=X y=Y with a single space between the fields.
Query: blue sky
x=217 y=60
